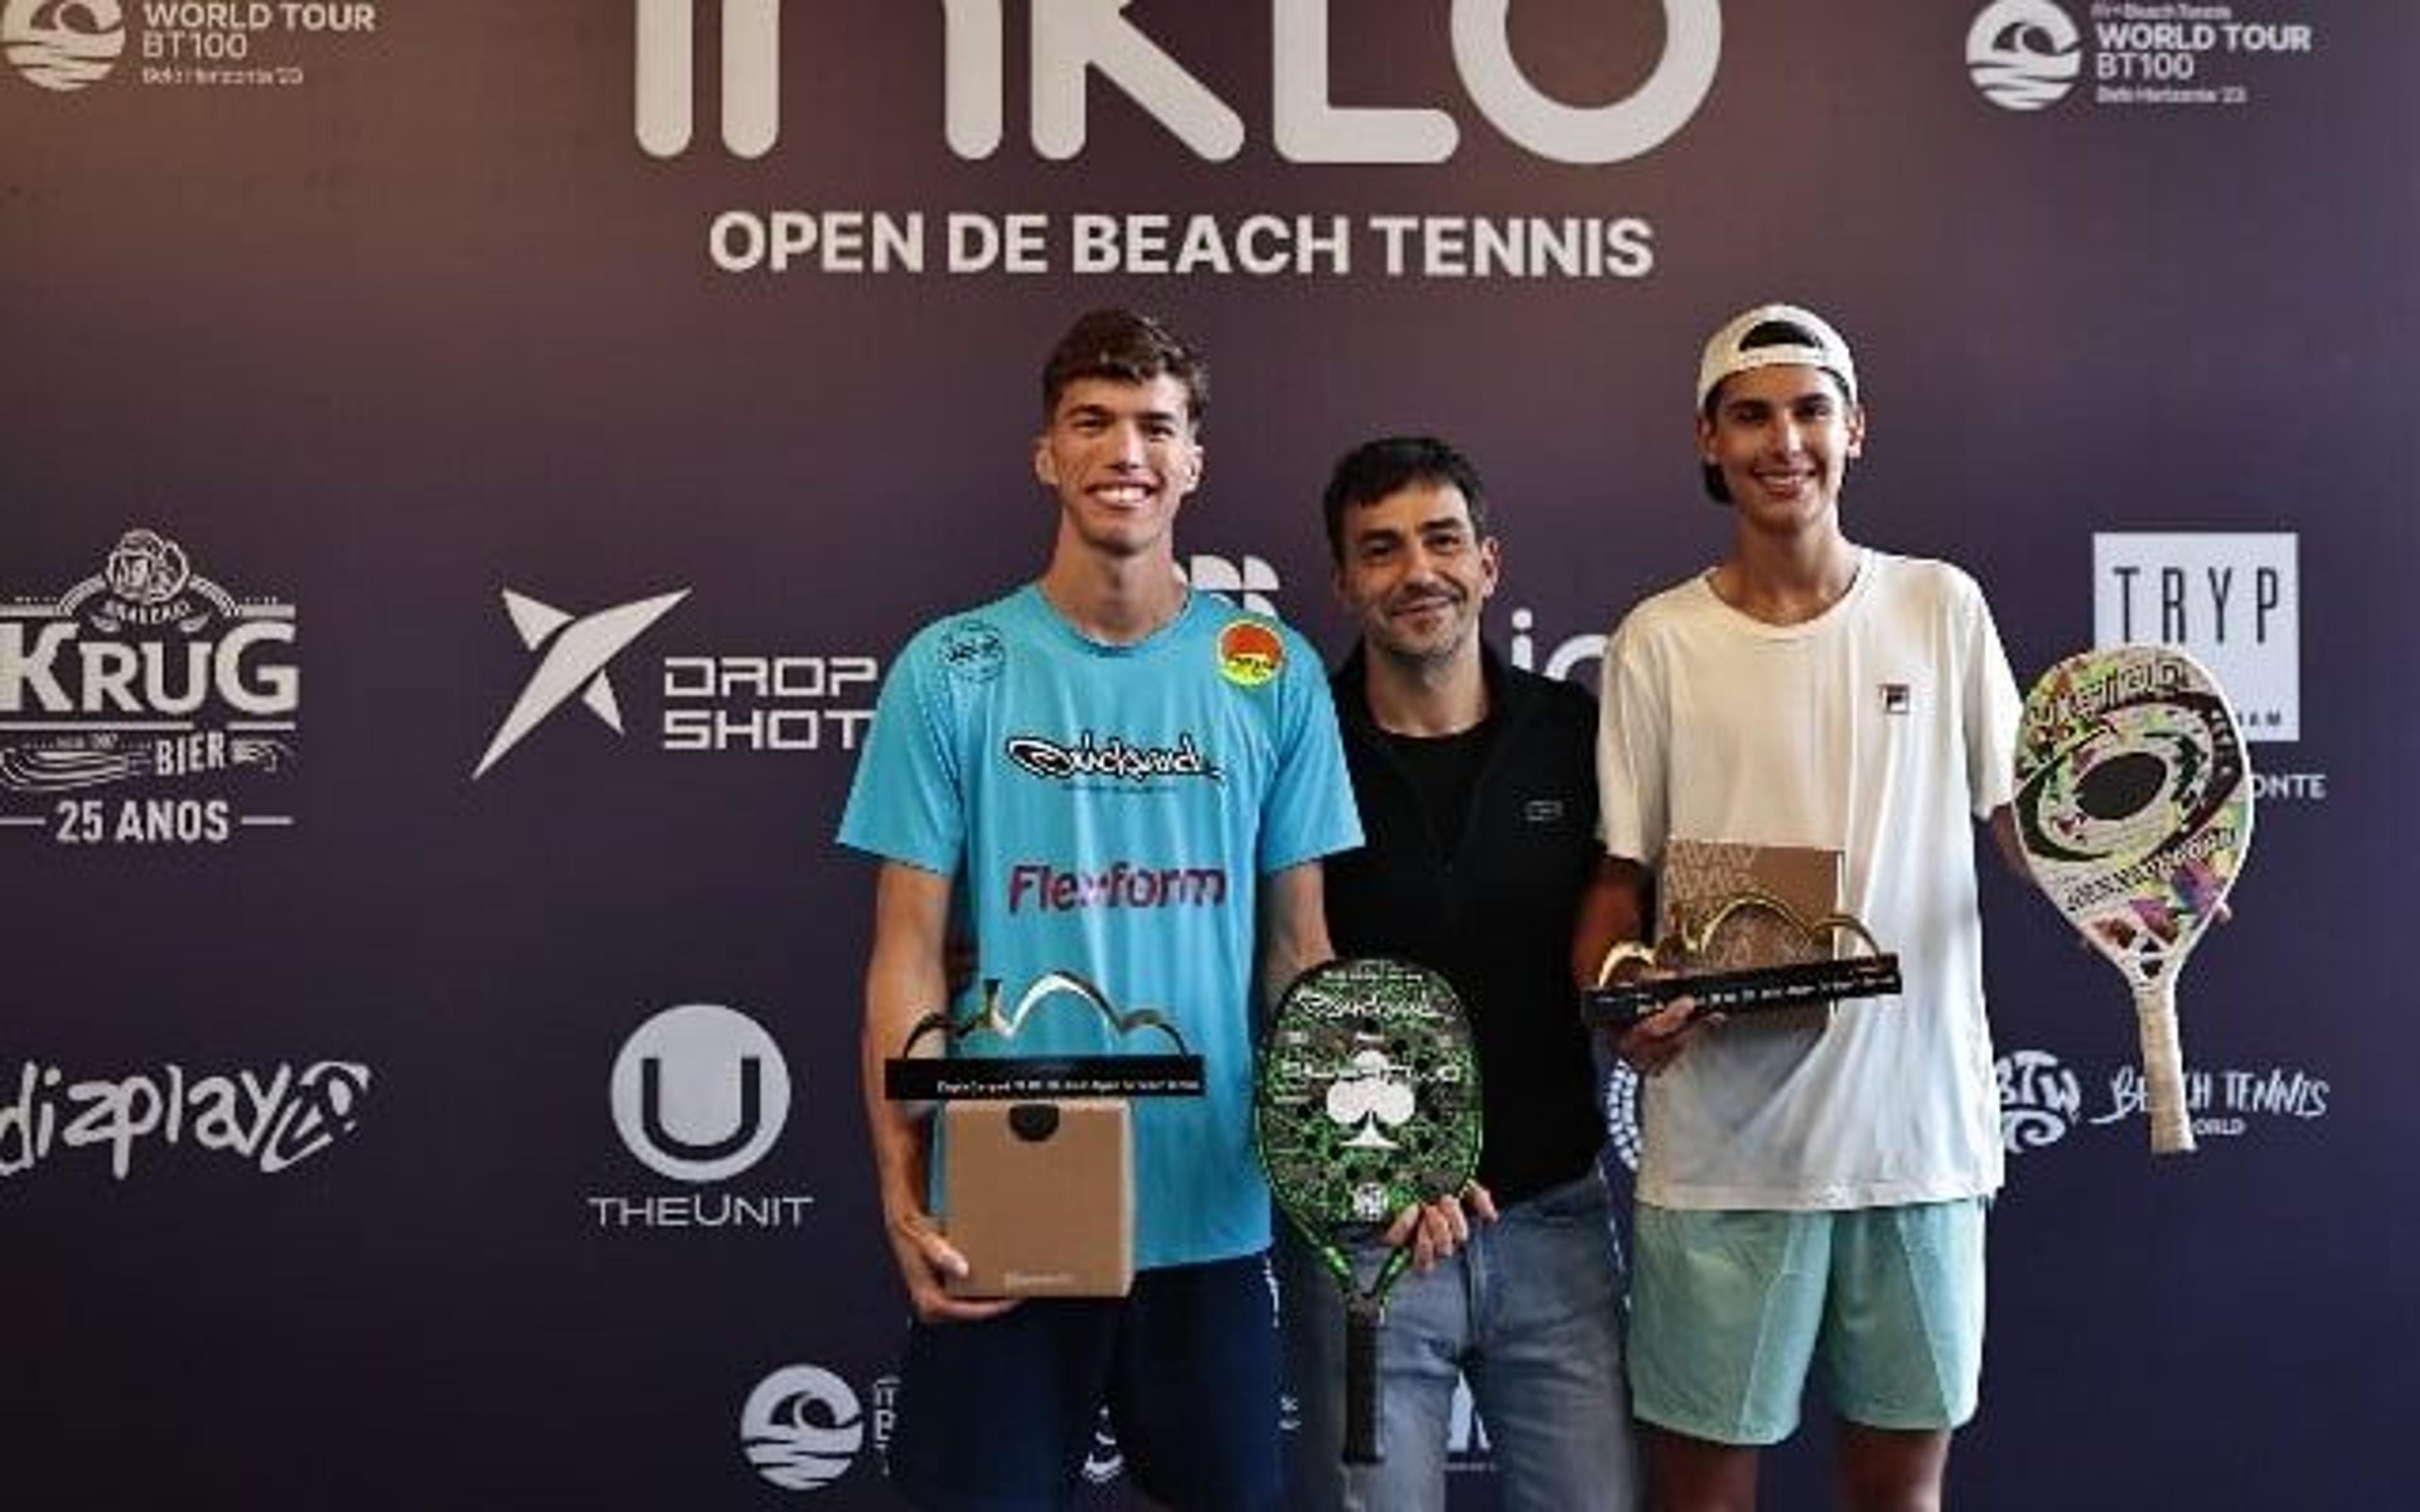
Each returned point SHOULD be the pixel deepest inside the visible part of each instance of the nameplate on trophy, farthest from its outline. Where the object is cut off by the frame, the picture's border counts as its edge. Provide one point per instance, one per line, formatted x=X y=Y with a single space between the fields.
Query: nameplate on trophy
x=1746 y=930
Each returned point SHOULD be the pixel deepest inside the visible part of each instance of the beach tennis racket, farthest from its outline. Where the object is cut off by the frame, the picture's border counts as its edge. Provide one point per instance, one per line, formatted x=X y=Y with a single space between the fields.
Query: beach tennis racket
x=2135 y=811
x=1367 y=1103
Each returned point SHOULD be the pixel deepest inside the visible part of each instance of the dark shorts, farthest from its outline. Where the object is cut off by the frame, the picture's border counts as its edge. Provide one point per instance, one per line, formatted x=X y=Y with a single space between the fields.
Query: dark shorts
x=1005 y=1414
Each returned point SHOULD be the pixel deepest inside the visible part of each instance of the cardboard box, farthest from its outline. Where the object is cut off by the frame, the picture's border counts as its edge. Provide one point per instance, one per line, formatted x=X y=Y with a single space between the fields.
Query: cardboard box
x=1040 y=1196
x=1698 y=876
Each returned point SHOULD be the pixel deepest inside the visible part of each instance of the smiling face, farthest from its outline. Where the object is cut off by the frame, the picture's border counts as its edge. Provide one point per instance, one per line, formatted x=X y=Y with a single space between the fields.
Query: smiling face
x=1414 y=572
x=1782 y=438
x=1120 y=457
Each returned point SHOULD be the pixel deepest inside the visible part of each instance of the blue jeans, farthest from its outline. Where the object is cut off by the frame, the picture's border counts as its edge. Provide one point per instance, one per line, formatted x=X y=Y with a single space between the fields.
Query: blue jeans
x=1529 y=1311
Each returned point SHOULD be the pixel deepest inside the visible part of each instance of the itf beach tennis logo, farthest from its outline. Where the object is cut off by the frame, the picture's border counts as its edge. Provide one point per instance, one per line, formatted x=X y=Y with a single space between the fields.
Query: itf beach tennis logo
x=2024 y=54
x=803 y=1427
x=63 y=44
x=148 y=679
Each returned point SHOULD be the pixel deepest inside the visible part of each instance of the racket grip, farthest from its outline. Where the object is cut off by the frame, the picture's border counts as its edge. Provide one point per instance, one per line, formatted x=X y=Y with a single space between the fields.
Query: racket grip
x=2163 y=1070
x=1361 y=1381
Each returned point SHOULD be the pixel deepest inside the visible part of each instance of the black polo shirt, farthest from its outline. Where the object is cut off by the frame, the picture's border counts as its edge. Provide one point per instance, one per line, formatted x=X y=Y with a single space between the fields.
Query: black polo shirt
x=1489 y=903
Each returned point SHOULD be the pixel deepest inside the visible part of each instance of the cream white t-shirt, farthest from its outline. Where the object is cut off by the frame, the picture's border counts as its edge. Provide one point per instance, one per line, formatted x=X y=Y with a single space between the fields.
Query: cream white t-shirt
x=1883 y=729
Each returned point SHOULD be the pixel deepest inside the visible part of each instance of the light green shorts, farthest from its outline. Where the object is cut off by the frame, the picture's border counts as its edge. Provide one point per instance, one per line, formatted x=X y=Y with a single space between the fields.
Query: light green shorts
x=1729 y=1311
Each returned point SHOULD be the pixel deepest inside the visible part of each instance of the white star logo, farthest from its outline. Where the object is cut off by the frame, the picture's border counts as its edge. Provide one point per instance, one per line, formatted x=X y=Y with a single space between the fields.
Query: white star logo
x=574 y=662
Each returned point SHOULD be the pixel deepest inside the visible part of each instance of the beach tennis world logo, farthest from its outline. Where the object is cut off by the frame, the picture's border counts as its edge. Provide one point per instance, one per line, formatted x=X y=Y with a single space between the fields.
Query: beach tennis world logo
x=2024 y=54
x=64 y=45
x=146 y=704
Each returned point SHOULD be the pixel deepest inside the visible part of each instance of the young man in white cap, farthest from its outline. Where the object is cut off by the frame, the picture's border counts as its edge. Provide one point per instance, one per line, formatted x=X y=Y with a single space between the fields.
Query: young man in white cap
x=1813 y=1189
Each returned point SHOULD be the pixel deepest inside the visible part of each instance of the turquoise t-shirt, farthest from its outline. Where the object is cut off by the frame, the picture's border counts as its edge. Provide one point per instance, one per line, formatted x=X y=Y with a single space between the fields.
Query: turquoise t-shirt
x=1110 y=811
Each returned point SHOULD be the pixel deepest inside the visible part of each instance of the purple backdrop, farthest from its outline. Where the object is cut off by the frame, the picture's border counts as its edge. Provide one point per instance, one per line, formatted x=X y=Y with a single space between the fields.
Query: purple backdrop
x=444 y=359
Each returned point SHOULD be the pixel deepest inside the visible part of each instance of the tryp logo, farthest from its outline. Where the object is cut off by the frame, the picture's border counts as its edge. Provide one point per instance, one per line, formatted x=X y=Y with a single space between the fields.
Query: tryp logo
x=1071 y=41
x=577 y=651
x=145 y=674
x=1245 y=584
x=700 y=1093
x=803 y=1427
x=2024 y=54
x=63 y=44
x=2229 y=601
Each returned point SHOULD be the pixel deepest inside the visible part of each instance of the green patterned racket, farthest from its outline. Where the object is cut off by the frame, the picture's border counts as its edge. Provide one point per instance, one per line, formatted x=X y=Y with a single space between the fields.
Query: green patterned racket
x=1368 y=1104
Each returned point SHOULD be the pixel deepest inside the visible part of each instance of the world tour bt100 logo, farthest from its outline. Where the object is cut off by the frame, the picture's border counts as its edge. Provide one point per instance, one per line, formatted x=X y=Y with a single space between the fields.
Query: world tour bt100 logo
x=67 y=45
x=64 y=45
x=803 y=1427
x=1071 y=43
x=151 y=681
x=2029 y=55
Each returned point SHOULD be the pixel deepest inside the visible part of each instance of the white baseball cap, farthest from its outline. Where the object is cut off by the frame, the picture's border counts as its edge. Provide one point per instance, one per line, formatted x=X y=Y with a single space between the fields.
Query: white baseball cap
x=1772 y=334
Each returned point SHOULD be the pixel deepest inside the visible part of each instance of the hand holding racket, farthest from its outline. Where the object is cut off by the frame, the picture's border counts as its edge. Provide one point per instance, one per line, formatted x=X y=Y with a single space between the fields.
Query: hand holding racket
x=1367 y=1104
x=2133 y=808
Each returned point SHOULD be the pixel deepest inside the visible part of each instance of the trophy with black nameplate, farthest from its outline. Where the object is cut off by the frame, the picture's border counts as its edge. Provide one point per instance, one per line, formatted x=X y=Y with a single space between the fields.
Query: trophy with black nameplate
x=1037 y=1165
x=1744 y=929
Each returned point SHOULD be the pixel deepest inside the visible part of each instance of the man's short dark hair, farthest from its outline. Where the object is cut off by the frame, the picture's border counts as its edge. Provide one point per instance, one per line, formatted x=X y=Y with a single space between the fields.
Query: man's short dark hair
x=1380 y=469
x=1125 y=348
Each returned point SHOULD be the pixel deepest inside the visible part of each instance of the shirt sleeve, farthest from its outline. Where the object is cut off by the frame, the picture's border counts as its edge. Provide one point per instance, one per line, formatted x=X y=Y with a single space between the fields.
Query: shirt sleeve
x=907 y=802
x=1631 y=744
x=1309 y=812
x=1992 y=708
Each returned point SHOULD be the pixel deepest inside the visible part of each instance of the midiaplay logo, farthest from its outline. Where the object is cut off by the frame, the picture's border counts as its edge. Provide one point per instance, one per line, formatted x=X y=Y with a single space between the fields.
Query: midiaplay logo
x=2030 y=55
x=271 y=1120
x=700 y=1093
x=67 y=45
x=2044 y=1099
x=151 y=681
x=709 y=703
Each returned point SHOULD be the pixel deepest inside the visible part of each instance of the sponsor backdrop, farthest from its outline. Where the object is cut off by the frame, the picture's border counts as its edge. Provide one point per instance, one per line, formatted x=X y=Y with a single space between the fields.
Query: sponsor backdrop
x=468 y=465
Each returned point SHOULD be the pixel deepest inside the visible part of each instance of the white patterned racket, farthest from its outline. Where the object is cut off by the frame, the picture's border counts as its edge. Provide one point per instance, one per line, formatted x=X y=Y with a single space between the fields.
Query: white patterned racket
x=2135 y=811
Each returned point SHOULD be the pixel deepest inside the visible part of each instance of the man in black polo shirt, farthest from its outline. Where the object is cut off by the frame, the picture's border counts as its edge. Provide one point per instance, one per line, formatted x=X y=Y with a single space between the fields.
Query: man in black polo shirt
x=1477 y=787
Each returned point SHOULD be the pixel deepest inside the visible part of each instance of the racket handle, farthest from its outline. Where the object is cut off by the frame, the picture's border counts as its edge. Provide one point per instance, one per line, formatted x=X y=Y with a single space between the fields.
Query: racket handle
x=2164 y=1069
x=1361 y=1316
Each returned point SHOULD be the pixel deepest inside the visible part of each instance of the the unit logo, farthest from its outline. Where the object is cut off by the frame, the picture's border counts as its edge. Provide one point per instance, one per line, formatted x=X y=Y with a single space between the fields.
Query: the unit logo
x=700 y=1094
x=153 y=682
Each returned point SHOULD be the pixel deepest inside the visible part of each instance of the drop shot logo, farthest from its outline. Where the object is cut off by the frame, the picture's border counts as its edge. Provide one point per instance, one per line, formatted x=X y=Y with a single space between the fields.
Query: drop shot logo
x=803 y=1427
x=64 y=45
x=2024 y=54
x=576 y=653
x=1074 y=40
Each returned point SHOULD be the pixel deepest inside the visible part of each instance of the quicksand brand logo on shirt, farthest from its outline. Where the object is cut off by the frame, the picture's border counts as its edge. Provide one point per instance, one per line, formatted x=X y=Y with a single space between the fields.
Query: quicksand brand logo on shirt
x=1091 y=756
x=1044 y=888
